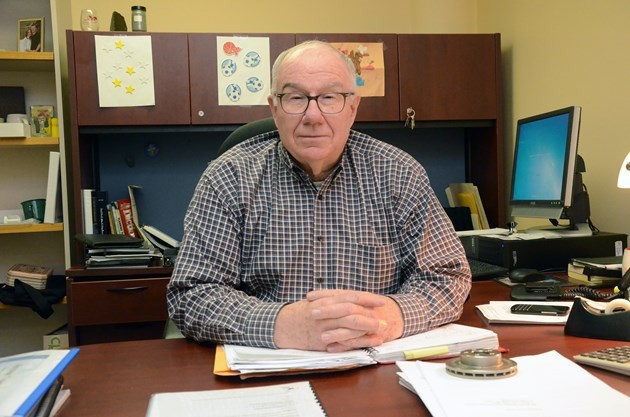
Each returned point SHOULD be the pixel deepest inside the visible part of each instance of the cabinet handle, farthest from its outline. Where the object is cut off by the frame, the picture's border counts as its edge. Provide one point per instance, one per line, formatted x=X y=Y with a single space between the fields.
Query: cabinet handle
x=128 y=289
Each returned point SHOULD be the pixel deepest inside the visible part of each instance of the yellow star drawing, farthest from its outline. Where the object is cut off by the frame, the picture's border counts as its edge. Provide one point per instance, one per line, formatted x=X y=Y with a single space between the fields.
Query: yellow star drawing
x=119 y=44
x=130 y=71
x=130 y=89
x=117 y=82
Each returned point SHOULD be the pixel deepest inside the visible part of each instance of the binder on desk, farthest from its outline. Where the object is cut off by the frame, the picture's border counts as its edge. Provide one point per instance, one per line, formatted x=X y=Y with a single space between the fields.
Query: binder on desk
x=445 y=341
x=31 y=376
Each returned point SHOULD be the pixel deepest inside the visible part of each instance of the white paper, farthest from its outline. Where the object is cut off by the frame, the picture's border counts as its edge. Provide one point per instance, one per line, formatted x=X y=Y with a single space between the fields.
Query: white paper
x=285 y=400
x=124 y=67
x=545 y=385
x=243 y=70
x=499 y=312
x=497 y=231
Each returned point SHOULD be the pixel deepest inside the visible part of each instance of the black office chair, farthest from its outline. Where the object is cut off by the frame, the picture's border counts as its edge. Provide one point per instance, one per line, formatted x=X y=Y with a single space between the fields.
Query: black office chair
x=247 y=131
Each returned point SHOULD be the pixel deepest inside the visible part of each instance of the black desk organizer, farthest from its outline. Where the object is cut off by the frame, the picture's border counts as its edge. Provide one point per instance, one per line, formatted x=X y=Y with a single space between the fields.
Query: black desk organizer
x=583 y=323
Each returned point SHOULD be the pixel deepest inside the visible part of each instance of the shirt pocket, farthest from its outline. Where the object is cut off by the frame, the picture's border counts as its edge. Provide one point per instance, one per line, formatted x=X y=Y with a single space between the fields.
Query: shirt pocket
x=371 y=268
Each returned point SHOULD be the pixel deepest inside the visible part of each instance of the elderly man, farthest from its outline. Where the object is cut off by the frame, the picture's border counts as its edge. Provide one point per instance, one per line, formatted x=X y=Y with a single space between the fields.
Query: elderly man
x=315 y=236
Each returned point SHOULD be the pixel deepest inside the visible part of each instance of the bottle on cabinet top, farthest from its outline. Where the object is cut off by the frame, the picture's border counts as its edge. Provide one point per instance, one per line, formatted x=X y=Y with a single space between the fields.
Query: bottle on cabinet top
x=138 y=18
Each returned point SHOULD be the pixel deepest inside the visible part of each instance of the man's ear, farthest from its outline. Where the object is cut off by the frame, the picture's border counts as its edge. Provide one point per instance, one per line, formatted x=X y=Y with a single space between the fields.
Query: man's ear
x=273 y=107
x=356 y=99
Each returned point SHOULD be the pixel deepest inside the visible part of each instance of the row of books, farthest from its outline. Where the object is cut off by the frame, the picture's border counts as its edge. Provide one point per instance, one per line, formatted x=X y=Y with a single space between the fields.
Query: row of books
x=101 y=216
x=113 y=237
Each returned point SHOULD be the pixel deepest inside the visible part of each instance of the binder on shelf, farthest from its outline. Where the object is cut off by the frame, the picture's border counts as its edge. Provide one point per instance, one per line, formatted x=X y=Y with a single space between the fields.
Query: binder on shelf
x=159 y=239
x=96 y=241
x=467 y=195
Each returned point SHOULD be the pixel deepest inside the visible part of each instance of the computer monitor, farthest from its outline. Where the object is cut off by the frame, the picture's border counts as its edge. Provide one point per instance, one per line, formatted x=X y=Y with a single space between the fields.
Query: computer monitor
x=545 y=182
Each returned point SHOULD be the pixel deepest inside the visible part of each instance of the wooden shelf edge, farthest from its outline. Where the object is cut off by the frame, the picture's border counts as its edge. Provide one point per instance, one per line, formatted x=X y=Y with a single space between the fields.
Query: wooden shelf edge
x=31 y=141
x=79 y=271
x=5 y=306
x=26 y=56
x=30 y=228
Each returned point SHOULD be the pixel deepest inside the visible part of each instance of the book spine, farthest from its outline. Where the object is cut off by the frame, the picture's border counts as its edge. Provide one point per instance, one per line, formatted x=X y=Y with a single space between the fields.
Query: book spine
x=86 y=204
x=117 y=219
x=100 y=213
x=110 y=220
x=124 y=208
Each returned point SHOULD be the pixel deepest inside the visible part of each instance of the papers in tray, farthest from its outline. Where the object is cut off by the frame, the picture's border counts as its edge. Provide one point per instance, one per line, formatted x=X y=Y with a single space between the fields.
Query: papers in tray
x=537 y=388
x=448 y=340
x=25 y=378
x=499 y=312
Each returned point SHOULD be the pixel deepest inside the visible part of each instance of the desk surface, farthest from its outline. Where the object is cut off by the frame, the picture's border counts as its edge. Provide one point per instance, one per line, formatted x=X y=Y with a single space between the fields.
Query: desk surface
x=117 y=379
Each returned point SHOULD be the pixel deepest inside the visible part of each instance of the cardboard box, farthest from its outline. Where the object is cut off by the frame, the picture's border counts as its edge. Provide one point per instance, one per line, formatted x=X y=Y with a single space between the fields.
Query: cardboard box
x=14 y=130
x=57 y=339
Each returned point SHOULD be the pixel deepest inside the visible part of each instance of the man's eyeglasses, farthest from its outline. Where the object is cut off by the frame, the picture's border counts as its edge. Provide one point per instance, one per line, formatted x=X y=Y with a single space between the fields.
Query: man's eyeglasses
x=328 y=103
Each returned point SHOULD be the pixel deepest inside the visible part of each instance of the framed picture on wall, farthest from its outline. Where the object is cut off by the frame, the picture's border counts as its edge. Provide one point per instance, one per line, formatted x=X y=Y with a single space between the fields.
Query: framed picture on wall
x=30 y=36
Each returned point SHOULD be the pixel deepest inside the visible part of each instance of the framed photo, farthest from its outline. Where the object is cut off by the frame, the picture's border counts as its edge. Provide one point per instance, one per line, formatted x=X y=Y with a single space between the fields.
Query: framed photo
x=41 y=120
x=30 y=37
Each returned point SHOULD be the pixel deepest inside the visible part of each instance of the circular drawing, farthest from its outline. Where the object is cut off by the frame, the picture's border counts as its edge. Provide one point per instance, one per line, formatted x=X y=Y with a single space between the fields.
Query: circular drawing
x=228 y=67
x=254 y=84
x=233 y=91
x=251 y=59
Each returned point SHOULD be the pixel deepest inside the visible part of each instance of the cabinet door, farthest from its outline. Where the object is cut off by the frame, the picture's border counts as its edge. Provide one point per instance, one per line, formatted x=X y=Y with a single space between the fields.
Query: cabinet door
x=449 y=77
x=170 y=71
x=372 y=108
x=204 y=81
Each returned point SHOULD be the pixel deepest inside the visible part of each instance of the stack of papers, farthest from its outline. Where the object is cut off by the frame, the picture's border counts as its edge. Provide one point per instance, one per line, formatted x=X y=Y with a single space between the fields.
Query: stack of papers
x=446 y=341
x=538 y=389
x=293 y=399
x=499 y=312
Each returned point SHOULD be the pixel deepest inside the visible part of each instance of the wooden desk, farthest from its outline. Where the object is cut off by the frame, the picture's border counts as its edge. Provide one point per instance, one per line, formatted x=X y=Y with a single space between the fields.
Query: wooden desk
x=117 y=379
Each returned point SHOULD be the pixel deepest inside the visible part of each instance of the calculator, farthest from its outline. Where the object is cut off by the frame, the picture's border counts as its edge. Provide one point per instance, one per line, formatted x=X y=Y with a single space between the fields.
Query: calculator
x=615 y=359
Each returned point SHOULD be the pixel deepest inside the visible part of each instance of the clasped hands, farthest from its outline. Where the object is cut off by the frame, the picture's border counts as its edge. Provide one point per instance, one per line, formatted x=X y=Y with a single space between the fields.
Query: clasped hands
x=338 y=320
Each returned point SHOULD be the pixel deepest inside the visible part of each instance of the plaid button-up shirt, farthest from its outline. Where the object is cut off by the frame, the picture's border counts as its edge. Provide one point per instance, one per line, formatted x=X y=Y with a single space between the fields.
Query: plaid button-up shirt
x=259 y=234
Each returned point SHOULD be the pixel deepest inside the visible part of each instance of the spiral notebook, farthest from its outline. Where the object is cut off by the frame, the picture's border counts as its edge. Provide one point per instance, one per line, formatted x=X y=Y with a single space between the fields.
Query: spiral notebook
x=293 y=399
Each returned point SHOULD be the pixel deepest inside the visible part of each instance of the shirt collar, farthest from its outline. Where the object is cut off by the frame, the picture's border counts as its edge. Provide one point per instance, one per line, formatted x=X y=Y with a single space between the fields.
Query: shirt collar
x=284 y=156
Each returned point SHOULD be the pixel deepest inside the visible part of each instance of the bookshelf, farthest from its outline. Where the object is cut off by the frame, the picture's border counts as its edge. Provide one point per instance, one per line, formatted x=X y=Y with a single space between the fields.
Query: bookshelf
x=24 y=164
x=24 y=160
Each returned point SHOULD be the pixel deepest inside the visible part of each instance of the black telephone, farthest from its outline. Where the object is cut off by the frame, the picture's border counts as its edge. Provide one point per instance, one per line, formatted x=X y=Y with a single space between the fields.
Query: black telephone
x=533 y=291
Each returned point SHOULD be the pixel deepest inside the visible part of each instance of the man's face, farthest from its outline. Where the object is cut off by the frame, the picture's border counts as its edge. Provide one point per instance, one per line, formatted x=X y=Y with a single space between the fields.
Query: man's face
x=313 y=139
x=33 y=29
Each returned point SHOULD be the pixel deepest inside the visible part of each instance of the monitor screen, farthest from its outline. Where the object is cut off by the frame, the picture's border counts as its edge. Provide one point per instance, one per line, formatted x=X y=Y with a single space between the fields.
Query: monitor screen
x=544 y=163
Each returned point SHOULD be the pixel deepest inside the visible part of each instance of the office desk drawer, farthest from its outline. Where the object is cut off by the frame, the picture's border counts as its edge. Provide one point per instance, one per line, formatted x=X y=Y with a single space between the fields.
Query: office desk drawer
x=119 y=301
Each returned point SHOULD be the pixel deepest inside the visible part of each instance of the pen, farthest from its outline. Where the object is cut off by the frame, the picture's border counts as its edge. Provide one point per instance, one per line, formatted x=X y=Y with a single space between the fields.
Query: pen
x=425 y=353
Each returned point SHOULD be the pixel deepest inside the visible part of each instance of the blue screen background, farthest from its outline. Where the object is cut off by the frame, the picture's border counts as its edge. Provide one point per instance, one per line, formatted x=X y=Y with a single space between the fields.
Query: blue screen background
x=540 y=158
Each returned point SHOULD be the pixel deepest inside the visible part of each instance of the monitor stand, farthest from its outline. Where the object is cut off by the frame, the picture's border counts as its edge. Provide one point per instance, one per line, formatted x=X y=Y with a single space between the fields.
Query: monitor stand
x=581 y=229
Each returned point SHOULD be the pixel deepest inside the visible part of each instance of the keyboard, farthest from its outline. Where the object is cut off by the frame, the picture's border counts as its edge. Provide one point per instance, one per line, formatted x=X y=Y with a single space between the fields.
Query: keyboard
x=612 y=359
x=482 y=269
